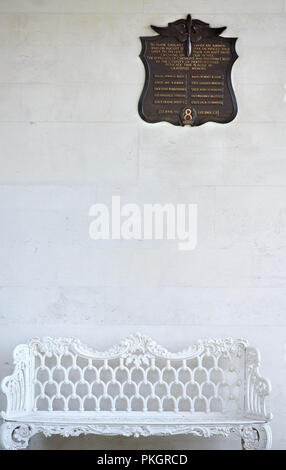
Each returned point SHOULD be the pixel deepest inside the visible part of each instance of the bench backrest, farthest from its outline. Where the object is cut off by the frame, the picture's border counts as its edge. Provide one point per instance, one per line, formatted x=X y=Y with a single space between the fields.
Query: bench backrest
x=138 y=375
x=62 y=374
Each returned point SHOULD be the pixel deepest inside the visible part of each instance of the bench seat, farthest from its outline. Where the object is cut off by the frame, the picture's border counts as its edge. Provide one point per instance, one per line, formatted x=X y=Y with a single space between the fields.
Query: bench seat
x=124 y=417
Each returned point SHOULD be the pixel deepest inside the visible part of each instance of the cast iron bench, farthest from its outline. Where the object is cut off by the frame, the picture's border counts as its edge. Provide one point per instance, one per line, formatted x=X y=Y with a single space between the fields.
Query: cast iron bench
x=137 y=388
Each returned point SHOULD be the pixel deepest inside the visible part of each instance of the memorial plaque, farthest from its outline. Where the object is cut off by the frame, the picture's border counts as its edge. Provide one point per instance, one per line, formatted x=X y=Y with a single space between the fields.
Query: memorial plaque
x=188 y=74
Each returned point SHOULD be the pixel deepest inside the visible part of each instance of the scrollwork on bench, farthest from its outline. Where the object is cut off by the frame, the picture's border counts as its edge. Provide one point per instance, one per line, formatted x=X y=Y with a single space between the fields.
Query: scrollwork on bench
x=136 y=388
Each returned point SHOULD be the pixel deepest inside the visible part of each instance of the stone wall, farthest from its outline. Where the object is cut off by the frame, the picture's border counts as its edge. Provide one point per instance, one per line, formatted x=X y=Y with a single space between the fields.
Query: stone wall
x=70 y=136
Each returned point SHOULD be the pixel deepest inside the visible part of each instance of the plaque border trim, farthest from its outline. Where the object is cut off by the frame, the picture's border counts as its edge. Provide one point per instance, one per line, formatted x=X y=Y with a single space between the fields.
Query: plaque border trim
x=228 y=75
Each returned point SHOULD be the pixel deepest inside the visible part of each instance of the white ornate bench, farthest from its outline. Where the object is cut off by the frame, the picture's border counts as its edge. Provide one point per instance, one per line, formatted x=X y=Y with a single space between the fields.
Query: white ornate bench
x=137 y=388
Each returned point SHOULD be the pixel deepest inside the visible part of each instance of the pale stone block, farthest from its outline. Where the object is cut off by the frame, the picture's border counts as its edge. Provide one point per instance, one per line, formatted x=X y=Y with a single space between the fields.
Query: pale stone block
x=210 y=268
x=103 y=102
x=166 y=141
x=223 y=6
x=97 y=29
x=26 y=63
x=50 y=305
x=250 y=153
x=270 y=269
x=31 y=63
x=72 y=29
x=10 y=29
x=114 y=305
x=253 y=29
x=270 y=135
x=261 y=103
x=69 y=103
x=36 y=29
x=76 y=265
x=120 y=64
x=72 y=6
x=68 y=153
x=253 y=165
x=251 y=218
x=62 y=199
x=40 y=230
x=244 y=166
x=181 y=168
x=258 y=65
x=33 y=102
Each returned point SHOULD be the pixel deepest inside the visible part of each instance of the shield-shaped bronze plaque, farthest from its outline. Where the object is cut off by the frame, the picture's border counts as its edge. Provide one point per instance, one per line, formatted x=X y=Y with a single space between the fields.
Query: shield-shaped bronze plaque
x=188 y=74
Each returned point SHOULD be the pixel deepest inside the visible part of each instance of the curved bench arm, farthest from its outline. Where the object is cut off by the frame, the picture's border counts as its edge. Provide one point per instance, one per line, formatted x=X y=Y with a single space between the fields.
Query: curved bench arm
x=16 y=386
x=257 y=387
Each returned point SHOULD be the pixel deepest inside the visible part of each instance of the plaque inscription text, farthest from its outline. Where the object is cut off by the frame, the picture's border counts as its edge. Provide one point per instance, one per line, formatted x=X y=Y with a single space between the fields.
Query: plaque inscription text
x=188 y=74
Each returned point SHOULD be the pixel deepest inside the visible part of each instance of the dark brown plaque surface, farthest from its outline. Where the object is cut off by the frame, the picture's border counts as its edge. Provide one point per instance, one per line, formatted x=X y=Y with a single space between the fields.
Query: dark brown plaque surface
x=188 y=74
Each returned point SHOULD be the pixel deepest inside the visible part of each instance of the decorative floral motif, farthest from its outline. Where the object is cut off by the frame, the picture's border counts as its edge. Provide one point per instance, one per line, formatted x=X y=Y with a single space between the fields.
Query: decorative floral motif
x=138 y=353
x=51 y=345
x=249 y=437
x=22 y=432
x=255 y=403
x=139 y=344
x=253 y=437
x=252 y=357
x=15 y=436
x=134 y=345
x=262 y=387
x=226 y=346
x=256 y=437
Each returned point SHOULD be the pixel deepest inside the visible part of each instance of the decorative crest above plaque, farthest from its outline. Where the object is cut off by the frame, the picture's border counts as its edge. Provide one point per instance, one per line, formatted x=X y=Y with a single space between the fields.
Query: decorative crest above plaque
x=188 y=74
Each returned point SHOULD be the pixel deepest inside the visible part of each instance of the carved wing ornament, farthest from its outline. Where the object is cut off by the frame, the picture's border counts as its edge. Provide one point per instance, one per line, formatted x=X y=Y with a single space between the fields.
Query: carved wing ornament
x=188 y=31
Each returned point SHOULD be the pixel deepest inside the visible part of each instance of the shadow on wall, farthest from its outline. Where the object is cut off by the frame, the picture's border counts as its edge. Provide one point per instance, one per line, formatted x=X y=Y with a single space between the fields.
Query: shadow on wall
x=124 y=443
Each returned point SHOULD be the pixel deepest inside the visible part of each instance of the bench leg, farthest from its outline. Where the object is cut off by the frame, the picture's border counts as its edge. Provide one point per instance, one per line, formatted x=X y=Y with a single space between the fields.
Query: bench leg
x=256 y=437
x=15 y=436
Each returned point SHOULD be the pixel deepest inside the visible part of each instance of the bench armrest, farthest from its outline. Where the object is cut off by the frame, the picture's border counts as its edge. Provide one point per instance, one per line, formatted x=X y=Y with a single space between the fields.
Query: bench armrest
x=17 y=387
x=257 y=387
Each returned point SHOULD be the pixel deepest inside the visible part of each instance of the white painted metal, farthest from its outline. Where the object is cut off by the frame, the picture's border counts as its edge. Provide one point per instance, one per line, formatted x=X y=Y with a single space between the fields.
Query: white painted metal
x=136 y=388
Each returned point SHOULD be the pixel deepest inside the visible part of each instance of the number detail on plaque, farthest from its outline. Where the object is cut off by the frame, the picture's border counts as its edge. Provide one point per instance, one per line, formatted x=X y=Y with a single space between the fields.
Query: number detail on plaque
x=188 y=74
